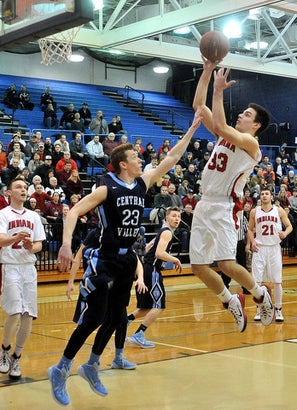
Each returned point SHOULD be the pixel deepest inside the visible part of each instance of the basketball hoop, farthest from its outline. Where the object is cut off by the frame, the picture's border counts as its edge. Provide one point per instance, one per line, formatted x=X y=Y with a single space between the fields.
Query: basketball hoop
x=57 y=48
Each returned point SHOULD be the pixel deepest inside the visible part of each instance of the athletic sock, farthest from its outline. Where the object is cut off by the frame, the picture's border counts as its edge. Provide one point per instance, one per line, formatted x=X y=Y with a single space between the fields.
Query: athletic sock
x=94 y=358
x=257 y=292
x=65 y=363
x=118 y=353
x=141 y=327
x=225 y=295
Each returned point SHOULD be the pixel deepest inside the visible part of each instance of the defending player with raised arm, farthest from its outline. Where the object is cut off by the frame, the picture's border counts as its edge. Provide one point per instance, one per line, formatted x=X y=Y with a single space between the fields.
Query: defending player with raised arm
x=120 y=200
x=214 y=227
x=265 y=235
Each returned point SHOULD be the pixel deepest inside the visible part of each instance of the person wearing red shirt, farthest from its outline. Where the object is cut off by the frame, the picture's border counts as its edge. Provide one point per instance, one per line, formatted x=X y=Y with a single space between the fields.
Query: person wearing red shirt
x=41 y=197
x=190 y=199
x=66 y=158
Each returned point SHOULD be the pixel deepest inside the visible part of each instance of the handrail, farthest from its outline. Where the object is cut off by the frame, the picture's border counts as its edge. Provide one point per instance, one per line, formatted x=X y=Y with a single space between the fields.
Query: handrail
x=128 y=88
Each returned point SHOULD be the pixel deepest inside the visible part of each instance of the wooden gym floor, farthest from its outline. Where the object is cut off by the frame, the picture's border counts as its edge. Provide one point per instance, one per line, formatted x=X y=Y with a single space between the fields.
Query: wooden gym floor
x=200 y=361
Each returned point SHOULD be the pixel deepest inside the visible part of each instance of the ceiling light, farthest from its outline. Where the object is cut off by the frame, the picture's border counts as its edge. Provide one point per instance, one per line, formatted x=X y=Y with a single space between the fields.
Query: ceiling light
x=255 y=14
x=262 y=44
x=98 y=4
x=76 y=58
x=161 y=69
x=116 y=52
x=182 y=30
x=232 y=29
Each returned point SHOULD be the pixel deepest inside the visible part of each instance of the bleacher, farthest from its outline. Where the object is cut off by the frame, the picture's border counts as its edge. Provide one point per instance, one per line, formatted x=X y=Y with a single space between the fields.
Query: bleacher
x=143 y=124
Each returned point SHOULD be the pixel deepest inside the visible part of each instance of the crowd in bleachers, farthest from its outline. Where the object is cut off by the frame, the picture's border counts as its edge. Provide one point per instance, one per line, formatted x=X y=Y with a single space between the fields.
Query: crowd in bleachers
x=51 y=164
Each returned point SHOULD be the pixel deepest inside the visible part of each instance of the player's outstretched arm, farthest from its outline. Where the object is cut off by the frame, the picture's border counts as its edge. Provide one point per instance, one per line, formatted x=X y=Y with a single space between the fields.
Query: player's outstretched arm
x=153 y=175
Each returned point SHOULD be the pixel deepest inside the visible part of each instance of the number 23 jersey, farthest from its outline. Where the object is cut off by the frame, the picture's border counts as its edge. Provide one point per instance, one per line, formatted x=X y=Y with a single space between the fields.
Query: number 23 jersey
x=226 y=171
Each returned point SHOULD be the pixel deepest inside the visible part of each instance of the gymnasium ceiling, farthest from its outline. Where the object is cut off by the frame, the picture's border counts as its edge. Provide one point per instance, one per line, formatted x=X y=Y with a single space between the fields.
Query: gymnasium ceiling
x=143 y=31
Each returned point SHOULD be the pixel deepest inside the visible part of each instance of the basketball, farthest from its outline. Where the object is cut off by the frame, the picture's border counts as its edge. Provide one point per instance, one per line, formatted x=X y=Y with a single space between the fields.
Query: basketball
x=214 y=46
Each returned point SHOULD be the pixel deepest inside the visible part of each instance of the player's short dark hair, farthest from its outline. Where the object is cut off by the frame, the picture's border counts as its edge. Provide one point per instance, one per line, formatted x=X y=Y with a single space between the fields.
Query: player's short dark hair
x=262 y=116
x=119 y=154
x=19 y=178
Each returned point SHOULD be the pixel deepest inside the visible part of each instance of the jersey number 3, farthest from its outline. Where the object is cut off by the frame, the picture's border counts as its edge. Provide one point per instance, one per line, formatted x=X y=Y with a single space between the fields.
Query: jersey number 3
x=218 y=162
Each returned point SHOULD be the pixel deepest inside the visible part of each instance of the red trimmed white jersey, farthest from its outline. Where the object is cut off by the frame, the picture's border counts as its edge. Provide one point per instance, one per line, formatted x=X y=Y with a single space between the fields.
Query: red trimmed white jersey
x=13 y=221
x=268 y=225
x=226 y=171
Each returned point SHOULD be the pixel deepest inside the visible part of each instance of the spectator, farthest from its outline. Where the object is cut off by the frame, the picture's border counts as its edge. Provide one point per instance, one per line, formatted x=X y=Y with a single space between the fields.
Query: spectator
x=190 y=199
x=66 y=158
x=63 y=143
x=123 y=139
x=175 y=199
x=41 y=197
x=109 y=144
x=186 y=160
x=85 y=114
x=48 y=146
x=286 y=160
x=11 y=99
x=17 y=154
x=41 y=150
x=112 y=126
x=42 y=169
x=53 y=209
x=47 y=99
x=183 y=189
x=184 y=229
x=95 y=151
x=64 y=174
x=166 y=143
x=153 y=164
x=197 y=151
x=78 y=153
x=99 y=125
x=54 y=187
x=78 y=124
x=3 y=158
x=283 y=198
x=247 y=197
x=24 y=99
x=50 y=119
x=146 y=154
x=279 y=170
x=25 y=176
x=31 y=146
x=137 y=149
x=11 y=172
x=268 y=174
x=4 y=198
x=57 y=154
x=120 y=128
x=68 y=117
x=209 y=147
x=177 y=175
x=161 y=202
x=36 y=180
x=16 y=147
x=204 y=160
x=74 y=185
x=138 y=140
x=16 y=139
x=191 y=175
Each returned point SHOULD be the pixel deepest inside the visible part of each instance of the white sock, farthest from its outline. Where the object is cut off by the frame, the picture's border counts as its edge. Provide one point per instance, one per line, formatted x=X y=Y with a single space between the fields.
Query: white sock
x=225 y=295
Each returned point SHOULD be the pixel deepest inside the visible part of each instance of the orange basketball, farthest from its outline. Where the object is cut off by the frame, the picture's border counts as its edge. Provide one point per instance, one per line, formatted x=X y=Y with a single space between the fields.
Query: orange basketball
x=214 y=45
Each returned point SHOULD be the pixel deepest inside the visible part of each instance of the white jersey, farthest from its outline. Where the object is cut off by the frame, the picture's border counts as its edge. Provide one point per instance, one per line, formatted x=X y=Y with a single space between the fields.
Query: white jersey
x=13 y=221
x=226 y=171
x=268 y=225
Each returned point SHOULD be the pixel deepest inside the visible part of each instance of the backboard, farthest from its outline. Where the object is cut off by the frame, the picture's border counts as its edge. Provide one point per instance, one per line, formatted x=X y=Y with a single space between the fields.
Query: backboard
x=22 y=21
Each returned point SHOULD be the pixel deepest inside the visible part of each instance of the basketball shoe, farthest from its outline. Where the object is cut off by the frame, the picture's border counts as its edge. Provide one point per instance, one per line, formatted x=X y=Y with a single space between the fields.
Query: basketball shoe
x=257 y=317
x=278 y=315
x=89 y=372
x=4 y=361
x=57 y=378
x=122 y=363
x=236 y=308
x=265 y=306
x=15 y=368
x=139 y=340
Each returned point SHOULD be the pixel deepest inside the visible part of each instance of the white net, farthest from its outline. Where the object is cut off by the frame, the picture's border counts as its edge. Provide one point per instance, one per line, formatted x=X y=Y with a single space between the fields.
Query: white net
x=57 y=48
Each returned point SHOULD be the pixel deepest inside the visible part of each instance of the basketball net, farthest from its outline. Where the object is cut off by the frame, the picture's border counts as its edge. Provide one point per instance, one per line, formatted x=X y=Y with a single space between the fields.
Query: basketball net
x=57 y=48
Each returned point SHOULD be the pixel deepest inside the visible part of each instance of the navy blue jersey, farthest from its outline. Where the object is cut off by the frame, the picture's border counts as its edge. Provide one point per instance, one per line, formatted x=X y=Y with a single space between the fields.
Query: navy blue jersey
x=150 y=256
x=121 y=214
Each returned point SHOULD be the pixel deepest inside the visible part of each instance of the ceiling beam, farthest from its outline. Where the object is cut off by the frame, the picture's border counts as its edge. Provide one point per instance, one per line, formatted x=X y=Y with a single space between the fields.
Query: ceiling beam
x=194 y=14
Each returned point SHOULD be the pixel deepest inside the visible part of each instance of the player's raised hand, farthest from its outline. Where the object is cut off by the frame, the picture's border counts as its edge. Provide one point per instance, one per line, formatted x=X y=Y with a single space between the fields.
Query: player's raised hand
x=220 y=79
